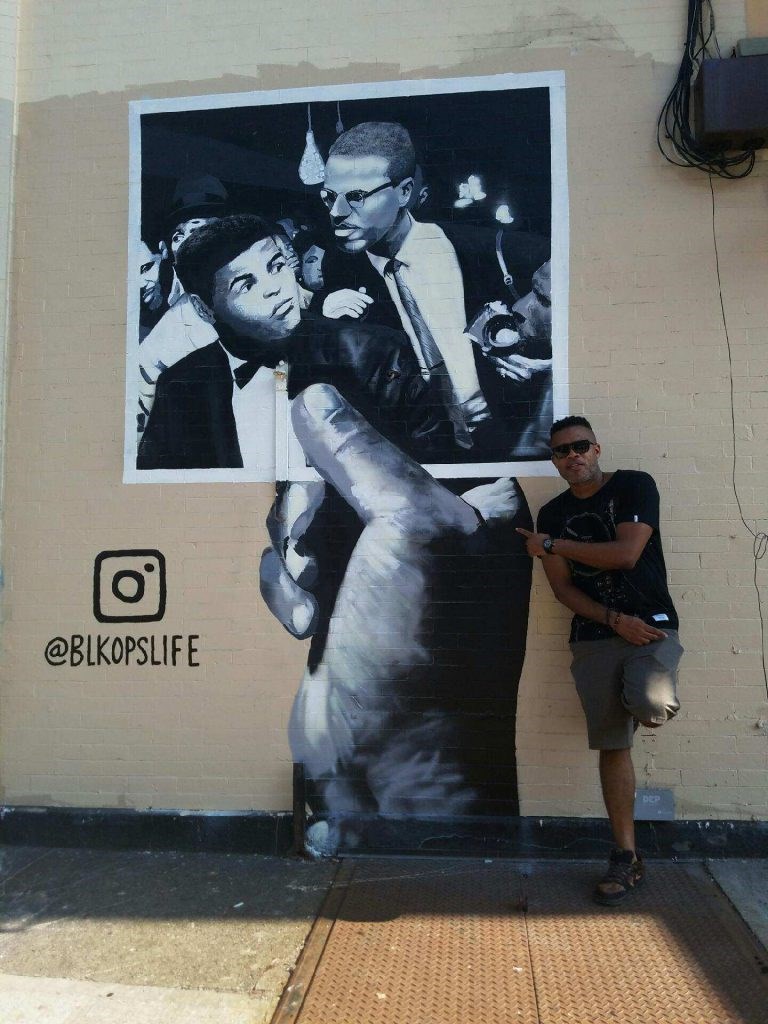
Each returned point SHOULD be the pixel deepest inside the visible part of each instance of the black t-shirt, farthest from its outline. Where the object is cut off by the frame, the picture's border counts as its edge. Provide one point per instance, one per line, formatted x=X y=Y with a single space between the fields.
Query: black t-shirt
x=628 y=497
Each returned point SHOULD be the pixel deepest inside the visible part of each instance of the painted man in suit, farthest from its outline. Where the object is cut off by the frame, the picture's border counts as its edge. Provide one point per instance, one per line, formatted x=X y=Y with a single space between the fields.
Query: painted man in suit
x=396 y=270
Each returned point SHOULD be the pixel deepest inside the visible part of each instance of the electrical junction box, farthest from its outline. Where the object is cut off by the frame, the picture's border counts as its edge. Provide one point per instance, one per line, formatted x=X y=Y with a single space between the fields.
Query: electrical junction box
x=731 y=103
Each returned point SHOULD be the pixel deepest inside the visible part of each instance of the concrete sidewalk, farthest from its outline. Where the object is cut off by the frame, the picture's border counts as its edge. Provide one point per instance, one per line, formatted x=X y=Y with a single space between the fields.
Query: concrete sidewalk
x=102 y=937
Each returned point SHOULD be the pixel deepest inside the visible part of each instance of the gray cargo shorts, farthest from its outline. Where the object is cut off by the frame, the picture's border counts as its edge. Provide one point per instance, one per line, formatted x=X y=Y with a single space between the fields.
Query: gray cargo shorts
x=618 y=682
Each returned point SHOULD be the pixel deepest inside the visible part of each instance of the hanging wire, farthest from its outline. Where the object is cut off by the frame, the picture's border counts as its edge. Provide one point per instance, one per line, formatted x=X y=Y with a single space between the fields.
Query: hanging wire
x=674 y=136
x=759 y=538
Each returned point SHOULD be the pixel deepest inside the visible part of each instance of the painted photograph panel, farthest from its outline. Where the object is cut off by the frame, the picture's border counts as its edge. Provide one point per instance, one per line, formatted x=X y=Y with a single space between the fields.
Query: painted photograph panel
x=403 y=242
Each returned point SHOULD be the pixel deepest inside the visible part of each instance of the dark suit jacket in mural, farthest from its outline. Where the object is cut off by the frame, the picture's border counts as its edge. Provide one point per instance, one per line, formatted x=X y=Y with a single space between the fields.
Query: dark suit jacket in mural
x=192 y=424
x=513 y=405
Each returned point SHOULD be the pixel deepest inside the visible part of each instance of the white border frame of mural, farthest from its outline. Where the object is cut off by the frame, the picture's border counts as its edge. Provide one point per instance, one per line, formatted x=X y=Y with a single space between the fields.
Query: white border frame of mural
x=288 y=457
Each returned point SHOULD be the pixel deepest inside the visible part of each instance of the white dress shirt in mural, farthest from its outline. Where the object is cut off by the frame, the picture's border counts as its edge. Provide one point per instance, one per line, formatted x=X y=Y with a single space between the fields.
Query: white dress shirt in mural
x=254 y=409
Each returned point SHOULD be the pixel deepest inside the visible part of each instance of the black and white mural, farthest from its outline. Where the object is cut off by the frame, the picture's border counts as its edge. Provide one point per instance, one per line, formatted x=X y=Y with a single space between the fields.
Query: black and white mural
x=360 y=293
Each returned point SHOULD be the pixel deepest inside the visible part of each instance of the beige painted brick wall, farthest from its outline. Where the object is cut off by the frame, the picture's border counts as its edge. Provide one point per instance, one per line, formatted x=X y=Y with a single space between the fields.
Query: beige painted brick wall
x=648 y=365
x=9 y=25
x=757 y=18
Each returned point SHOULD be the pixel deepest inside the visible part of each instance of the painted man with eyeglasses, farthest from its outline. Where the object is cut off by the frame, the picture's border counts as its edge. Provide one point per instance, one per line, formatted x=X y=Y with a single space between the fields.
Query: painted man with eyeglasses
x=601 y=550
x=408 y=274
x=369 y=180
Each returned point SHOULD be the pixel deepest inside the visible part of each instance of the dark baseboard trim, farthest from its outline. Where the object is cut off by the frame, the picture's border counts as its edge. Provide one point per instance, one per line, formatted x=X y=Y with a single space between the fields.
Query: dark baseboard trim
x=543 y=838
x=117 y=829
x=272 y=833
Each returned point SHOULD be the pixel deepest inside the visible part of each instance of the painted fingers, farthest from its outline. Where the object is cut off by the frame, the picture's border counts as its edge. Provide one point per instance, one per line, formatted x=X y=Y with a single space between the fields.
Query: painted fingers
x=379 y=481
x=288 y=570
x=346 y=302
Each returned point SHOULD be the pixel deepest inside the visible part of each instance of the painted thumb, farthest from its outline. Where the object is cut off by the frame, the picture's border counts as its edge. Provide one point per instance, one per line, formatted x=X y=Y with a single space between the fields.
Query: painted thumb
x=368 y=471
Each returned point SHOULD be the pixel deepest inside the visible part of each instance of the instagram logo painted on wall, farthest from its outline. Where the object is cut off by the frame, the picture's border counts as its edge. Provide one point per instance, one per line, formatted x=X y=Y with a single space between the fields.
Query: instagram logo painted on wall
x=129 y=586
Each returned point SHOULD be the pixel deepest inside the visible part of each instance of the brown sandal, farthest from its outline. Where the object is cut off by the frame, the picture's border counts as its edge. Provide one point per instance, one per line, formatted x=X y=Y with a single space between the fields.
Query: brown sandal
x=625 y=873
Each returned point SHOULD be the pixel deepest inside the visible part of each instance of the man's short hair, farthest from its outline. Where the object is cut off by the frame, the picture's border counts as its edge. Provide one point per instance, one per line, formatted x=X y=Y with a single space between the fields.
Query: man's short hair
x=379 y=138
x=212 y=246
x=570 y=421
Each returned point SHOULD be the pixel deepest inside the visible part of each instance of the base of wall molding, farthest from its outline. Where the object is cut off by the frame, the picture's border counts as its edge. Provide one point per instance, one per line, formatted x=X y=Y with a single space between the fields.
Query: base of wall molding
x=272 y=833
x=118 y=829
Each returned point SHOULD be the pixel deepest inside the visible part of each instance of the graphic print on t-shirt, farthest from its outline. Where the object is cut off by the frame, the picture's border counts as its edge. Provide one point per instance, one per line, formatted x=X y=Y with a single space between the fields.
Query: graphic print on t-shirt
x=590 y=528
x=609 y=588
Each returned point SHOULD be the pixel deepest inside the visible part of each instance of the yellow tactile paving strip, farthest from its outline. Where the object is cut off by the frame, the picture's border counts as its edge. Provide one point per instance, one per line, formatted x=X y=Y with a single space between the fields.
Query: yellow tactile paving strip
x=677 y=953
x=433 y=942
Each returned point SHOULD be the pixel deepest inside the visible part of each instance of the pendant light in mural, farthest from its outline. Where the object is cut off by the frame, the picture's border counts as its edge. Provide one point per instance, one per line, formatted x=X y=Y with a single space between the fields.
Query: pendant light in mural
x=465 y=199
x=311 y=168
x=476 y=187
x=470 y=191
x=339 y=122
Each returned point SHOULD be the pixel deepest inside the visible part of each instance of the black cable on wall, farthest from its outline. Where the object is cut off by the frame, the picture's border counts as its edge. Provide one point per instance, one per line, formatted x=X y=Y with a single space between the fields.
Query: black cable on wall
x=674 y=135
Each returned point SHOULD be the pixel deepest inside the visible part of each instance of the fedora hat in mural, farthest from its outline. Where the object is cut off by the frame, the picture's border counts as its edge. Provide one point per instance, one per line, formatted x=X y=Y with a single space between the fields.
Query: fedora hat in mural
x=198 y=195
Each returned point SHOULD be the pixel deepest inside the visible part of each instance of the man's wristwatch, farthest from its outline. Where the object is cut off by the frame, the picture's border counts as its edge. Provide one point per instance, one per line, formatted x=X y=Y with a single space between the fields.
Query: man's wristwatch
x=548 y=544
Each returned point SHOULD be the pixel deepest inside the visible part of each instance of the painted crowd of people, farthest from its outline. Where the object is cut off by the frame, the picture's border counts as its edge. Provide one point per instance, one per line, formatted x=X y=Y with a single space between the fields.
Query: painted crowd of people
x=369 y=271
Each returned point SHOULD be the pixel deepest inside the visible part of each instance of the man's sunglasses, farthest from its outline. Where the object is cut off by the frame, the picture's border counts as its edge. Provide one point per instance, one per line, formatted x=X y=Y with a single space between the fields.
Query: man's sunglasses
x=577 y=447
x=356 y=197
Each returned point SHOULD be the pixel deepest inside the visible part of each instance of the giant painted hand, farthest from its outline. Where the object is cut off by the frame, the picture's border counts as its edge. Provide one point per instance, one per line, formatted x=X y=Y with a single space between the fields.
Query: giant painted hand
x=414 y=669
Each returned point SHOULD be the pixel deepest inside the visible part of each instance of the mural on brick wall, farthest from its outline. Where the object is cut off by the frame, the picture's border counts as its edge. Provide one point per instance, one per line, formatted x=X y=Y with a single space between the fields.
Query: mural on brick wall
x=360 y=293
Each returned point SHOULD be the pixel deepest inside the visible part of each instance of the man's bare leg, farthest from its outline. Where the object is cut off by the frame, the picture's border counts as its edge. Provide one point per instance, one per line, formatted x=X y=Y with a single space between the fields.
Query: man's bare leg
x=625 y=868
x=617 y=778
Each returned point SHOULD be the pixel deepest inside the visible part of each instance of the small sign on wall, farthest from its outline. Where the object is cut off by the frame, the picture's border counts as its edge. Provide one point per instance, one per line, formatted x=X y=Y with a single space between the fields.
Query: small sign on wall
x=654 y=805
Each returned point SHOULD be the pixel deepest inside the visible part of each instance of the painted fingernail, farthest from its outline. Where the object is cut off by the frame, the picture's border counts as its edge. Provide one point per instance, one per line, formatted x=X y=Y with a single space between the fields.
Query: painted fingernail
x=322 y=400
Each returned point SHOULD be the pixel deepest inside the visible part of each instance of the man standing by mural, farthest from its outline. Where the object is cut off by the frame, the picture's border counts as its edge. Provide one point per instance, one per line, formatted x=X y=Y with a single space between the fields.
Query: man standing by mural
x=601 y=551
x=409 y=274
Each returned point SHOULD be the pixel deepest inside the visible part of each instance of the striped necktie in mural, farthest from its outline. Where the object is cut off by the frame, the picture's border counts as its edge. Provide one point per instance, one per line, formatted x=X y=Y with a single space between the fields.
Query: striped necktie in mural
x=431 y=355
